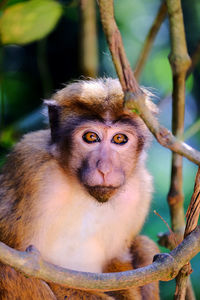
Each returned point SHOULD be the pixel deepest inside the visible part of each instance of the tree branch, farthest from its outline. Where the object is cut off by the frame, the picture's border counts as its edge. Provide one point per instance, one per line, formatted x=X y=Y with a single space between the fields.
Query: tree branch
x=114 y=40
x=165 y=267
x=162 y=12
x=180 y=62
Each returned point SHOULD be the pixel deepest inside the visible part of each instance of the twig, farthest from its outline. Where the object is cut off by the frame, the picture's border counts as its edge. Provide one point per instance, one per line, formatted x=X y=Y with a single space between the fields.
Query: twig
x=170 y=240
x=171 y=232
x=150 y=39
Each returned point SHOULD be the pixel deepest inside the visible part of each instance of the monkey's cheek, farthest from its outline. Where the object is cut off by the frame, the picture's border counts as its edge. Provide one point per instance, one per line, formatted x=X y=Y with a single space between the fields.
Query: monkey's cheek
x=101 y=194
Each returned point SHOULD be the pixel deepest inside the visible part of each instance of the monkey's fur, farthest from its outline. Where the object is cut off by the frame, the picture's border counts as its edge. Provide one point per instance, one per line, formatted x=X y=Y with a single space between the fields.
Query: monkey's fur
x=78 y=195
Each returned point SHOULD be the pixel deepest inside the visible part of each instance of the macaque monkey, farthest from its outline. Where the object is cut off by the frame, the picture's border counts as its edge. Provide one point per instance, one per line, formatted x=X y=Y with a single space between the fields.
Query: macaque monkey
x=79 y=193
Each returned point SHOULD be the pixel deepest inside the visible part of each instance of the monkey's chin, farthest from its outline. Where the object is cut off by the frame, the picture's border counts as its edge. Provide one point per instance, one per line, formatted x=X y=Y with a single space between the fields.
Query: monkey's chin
x=101 y=193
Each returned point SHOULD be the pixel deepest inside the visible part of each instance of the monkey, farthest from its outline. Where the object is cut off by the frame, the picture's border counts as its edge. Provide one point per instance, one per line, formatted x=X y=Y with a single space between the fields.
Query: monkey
x=80 y=192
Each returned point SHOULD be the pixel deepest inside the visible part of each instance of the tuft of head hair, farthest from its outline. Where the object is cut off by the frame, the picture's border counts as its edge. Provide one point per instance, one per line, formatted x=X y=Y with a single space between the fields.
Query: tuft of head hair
x=89 y=96
x=95 y=95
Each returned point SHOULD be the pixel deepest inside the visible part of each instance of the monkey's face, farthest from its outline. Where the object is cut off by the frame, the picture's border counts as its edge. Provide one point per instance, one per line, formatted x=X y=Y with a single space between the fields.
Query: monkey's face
x=103 y=156
x=95 y=138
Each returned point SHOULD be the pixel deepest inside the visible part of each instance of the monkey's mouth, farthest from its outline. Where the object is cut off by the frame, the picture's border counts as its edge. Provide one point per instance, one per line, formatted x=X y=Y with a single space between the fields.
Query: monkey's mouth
x=101 y=193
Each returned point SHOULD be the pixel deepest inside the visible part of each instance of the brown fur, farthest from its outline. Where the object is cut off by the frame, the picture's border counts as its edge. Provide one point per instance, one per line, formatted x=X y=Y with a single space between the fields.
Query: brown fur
x=143 y=249
x=15 y=286
x=72 y=294
x=28 y=170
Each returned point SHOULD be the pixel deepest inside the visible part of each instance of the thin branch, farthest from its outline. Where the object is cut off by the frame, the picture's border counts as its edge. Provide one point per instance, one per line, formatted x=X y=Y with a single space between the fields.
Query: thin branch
x=171 y=232
x=162 y=134
x=165 y=267
x=88 y=38
x=114 y=40
x=180 y=62
x=148 y=43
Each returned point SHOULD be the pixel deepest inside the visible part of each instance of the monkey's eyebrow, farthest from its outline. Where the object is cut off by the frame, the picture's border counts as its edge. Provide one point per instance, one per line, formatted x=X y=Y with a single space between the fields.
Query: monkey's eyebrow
x=95 y=119
x=89 y=118
x=78 y=122
x=126 y=121
x=82 y=121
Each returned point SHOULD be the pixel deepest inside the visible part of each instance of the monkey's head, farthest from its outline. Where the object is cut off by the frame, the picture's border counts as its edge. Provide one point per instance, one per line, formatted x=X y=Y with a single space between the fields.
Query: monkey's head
x=96 y=139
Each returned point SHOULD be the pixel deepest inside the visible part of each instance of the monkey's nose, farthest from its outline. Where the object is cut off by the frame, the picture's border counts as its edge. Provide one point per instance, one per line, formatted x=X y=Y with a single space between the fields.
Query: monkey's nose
x=104 y=167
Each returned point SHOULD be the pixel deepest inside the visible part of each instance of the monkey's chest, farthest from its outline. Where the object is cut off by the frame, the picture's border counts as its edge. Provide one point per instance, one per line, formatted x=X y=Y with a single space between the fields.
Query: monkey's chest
x=84 y=236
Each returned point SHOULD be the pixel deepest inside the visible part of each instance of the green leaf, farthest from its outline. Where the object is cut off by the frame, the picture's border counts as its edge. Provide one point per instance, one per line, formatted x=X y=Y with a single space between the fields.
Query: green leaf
x=29 y=21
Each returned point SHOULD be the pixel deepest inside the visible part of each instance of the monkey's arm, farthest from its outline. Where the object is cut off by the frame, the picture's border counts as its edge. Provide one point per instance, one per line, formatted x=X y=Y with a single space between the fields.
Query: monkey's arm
x=19 y=181
x=17 y=189
x=14 y=285
x=142 y=252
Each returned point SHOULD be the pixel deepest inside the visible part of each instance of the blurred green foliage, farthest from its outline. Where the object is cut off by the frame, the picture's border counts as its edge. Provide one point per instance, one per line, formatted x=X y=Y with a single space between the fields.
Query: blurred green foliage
x=29 y=21
x=50 y=57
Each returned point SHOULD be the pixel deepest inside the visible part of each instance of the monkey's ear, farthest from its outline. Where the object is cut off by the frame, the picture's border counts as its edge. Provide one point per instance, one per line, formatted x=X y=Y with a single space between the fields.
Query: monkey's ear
x=54 y=118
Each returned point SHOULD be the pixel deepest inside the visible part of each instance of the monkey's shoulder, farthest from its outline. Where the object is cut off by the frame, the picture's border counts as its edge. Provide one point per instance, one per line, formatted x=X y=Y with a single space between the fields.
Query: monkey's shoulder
x=27 y=157
x=34 y=145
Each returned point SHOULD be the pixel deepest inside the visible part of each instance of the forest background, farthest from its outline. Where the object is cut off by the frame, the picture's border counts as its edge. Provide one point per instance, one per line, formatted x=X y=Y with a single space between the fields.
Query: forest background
x=48 y=53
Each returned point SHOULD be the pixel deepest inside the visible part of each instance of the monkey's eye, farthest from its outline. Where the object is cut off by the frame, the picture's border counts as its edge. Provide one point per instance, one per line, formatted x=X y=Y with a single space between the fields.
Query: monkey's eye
x=119 y=139
x=91 y=137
